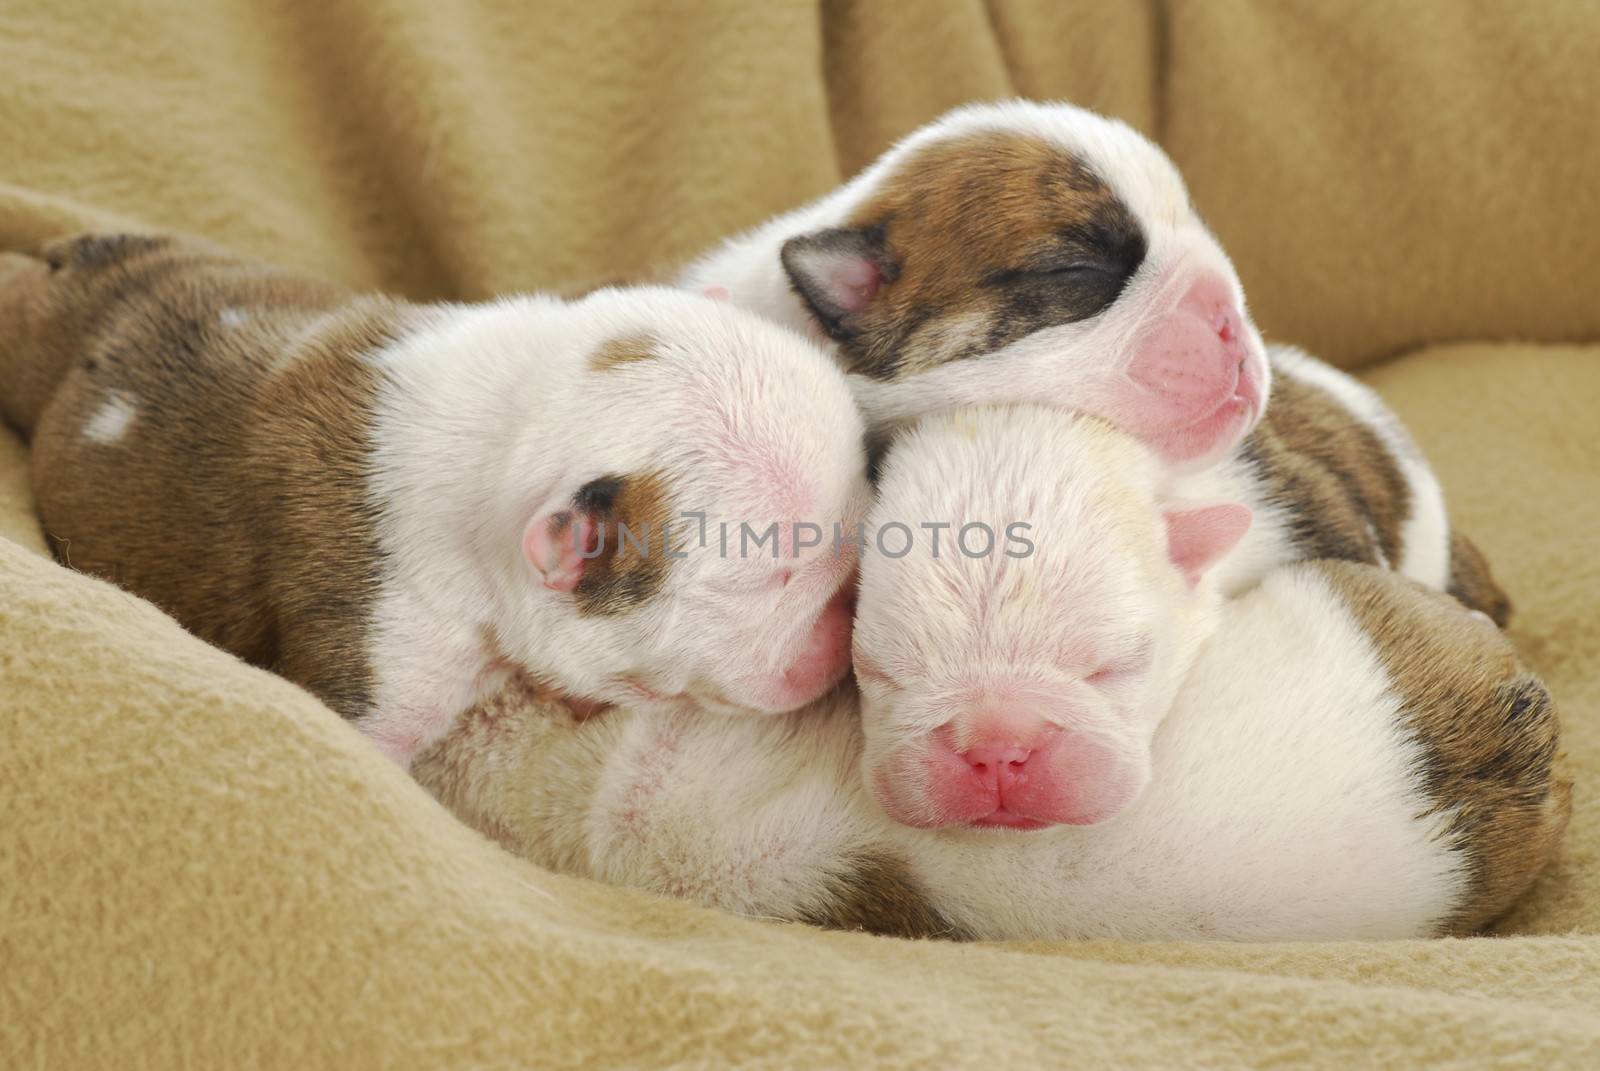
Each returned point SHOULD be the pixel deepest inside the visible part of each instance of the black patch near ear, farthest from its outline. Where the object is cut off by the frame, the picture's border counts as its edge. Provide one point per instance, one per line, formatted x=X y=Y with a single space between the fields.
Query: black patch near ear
x=814 y=261
x=598 y=497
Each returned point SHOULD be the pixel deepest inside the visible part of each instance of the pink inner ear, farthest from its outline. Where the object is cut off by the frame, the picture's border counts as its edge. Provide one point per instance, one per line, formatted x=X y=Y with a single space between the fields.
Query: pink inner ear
x=554 y=545
x=852 y=281
x=1199 y=537
x=716 y=293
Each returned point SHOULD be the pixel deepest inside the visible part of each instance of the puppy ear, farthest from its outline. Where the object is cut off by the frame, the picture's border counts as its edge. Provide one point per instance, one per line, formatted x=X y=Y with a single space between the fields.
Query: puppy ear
x=837 y=272
x=1200 y=536
x=560 y=544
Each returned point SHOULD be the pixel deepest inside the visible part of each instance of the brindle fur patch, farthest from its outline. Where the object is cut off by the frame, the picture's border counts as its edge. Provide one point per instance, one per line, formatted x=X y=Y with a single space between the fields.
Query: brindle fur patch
x=624 y=350
x=1336 y=483
x=877 y=896
x=236 y=498
x=633 y=513
x=1472 y=582
x=1488 y=730
x=983 y=240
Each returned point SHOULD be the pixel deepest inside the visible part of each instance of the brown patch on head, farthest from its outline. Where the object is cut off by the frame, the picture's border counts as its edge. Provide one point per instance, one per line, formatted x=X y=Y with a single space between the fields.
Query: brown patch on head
x=876 y=895
x=1337 y=483
x=1473 y=583
x=632 y=514
x=235 y=497
x=980 y=241
x=1488 y=729
x=624 y=350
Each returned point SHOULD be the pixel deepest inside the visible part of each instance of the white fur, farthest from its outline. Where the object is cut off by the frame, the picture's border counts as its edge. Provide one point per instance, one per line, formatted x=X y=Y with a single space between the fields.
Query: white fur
x=111 y=421
x=1049 y=366
x=490 y=414
x=232 y=317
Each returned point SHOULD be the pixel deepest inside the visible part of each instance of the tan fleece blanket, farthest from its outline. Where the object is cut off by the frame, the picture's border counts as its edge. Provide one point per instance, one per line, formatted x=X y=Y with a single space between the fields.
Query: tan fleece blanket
x=200 y=866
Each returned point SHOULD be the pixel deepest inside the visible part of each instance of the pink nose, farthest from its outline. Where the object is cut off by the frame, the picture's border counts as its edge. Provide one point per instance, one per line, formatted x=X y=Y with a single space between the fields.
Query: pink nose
x=1210 y=300
x=999 y=767
x=1017 y=772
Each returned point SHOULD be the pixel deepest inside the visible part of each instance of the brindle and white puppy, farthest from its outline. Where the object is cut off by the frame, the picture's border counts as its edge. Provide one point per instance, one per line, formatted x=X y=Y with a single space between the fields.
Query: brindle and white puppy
x=1353 y=757
x=1334 y=753
x=1024 y=252
x=1016 y=252
x=392 y=504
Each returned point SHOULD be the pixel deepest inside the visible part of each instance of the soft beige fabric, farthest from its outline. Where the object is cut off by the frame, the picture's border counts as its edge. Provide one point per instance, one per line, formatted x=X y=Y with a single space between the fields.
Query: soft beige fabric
x=1387 y=174
x=200 y=866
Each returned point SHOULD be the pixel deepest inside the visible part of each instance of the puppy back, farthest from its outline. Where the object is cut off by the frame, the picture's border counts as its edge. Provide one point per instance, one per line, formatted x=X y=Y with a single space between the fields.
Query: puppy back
x=201 y=437
x=1488 y=730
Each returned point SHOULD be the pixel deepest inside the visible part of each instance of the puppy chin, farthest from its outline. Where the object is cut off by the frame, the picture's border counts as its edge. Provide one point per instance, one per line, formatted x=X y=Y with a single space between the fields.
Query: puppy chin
x=1213 y=437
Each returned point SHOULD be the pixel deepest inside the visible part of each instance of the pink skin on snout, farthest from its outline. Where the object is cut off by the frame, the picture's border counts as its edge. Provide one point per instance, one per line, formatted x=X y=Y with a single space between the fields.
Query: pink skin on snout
x=1196 y=385
x=1009 y=771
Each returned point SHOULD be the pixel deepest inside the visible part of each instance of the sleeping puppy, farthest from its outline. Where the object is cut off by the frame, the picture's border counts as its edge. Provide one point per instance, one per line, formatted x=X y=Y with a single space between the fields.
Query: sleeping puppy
x=1027 y=693
x=1388 y=769
x=1024 y=252
x=1021 y=685
x=395 y=505
x=1016 y=252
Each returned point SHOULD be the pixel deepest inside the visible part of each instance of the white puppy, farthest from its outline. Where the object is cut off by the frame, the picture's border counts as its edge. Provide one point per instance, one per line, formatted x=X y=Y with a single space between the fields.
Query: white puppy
x=1021 y=686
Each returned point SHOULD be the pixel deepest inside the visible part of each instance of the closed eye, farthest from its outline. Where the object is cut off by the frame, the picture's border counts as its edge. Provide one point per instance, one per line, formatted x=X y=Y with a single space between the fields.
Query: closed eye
x=1123 y=669
x=1077 y=267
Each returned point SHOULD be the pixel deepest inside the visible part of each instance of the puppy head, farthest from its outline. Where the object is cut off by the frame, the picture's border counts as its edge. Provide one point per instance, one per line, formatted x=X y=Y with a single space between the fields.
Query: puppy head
x=1058 y=246
x=1022 y=688
x=686 y=549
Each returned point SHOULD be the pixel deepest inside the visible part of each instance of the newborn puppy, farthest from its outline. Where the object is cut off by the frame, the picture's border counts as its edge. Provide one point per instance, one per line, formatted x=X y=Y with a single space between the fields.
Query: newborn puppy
x=1026 y=692
x=1352 y=756
x=1016 y=252
x=395 y=504
x=1022 y=686
x=1024 y=252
